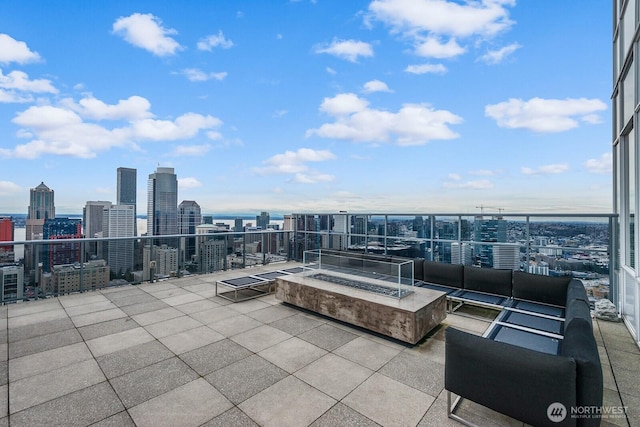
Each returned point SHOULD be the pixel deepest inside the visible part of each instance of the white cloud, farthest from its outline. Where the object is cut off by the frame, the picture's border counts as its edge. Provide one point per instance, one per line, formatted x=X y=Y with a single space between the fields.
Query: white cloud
x=147 y=32
x=280 y=113
x=481 y=184
x=350 y=50
x=435 y=26
x=12 y=50
x=196 y=75
x=188 y=182
x=544 y=115
x=295 y=163
x=214 y=40
x=426 y=68
x=546 y=169
x=11 y=97
x=375 y=86
x=413 y=124
x=8 y=188
x=184 y=127
x=497 y=56
x=331 y=71
x=72 y=129
x=132 y=108
x=484 y=172
x=191 y=150
x=601 y=165
x=19 y=80
x=343 y=104
x=432 y=47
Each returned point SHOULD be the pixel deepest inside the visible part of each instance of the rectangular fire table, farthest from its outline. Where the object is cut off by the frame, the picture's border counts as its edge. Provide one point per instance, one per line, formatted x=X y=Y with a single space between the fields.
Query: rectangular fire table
x=407 y=319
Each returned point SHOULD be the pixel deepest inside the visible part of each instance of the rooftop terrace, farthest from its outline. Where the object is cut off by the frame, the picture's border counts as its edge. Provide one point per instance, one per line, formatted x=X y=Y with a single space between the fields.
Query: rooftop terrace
x=172 y=353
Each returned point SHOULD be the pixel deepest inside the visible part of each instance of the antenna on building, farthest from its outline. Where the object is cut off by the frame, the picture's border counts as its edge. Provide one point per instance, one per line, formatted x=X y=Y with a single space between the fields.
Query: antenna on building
x=483 y=207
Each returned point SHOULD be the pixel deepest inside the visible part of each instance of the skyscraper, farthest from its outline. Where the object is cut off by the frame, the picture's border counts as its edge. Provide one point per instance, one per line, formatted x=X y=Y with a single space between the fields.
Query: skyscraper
x=41 y=207
x=162 y=203
x=263 y=220
x=92 y=217
x=189 y=217
x=127 y=191
x=118 y=221
x=488 y=230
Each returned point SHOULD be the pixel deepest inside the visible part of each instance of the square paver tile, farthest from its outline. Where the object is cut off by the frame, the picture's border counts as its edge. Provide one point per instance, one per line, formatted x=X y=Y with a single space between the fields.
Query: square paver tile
x=43 y=343
x=191 y=339
x=151 y=381
x=45 y=361
x=334 y=375
x=219 y=354
x=328 y=337
x=182 y=299
x=133 y=358
x=243 y=379
x=25 y=332
x=384 y=408
x=151 y=317
x=296 y=324
x=118 y=341
x=273 y=313
x=172 y=326
x=260 y=338
x=196 y=306
x=97 y=317
x=249 y=306
x=273 y=406
x=210 y=317
x=80 y=408
x=417 y=372
x=109 y=327
x=145 y=307
x=41 y=388
x=233 y=417
x=367 y=353
x=235 y=325
x=204 y=403
x=342 y=415
x=292 y=354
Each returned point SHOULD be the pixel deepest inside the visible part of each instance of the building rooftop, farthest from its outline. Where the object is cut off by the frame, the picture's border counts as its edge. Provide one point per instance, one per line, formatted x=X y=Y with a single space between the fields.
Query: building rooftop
x=172 y=353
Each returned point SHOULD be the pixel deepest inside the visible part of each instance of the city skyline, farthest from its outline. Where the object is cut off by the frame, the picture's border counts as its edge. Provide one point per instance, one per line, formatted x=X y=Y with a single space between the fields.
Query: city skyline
x=421 y=106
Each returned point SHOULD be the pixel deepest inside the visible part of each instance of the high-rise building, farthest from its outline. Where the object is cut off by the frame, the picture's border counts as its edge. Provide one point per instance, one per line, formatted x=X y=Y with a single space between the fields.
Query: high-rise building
x=493 y=230
x=117 y=222
x=7 y=233
x=162 y=204
x=626 y=164
x=41 y=207
x=127 y=191
x=238 y=225
x=92 y=216
x=189 y=217
x=64 y=252
x=263 y=220
x=11 y=283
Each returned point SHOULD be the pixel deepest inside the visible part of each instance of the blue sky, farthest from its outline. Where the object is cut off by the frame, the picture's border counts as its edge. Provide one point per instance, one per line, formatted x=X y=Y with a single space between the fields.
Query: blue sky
x=296 y=106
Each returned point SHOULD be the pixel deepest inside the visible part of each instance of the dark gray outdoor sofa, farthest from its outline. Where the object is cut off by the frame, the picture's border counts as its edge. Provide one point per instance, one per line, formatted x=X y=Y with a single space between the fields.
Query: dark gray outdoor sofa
x=538 y=377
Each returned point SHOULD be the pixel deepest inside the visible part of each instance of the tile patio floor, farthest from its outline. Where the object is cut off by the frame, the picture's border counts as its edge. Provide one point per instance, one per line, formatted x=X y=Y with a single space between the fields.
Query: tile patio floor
x=173 y=354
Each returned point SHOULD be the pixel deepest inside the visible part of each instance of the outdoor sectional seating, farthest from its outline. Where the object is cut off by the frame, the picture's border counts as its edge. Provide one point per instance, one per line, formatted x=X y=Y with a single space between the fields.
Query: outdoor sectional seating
x=535 y=376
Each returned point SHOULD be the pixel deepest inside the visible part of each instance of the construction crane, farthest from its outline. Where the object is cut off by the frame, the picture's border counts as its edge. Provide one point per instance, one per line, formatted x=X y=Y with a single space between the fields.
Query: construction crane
x=483 y=207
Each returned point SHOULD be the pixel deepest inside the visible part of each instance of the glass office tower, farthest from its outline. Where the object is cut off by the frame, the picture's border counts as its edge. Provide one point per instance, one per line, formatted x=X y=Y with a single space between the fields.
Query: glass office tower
x=162 y=203
x=127 y=191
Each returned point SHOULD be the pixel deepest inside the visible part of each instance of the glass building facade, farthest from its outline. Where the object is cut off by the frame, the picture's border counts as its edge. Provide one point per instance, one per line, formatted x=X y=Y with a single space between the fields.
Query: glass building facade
x=625 y=157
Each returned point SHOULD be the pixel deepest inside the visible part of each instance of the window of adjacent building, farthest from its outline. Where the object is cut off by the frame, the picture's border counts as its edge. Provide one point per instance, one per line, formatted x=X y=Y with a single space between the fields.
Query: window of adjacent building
x=628 y=93
x=628 y=26
x=630 y=162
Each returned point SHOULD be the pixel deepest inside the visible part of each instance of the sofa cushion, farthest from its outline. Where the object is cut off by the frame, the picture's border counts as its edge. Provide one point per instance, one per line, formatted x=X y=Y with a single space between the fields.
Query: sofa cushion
x=577 y=309
x=513 y=380
x=576 y=290
x=580 y=344
x=488 y=280
x=538 y=288
x=443 y=274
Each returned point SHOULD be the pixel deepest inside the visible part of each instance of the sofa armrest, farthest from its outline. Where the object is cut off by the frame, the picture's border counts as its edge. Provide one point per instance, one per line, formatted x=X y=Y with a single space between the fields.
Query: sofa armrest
x=515 y=381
